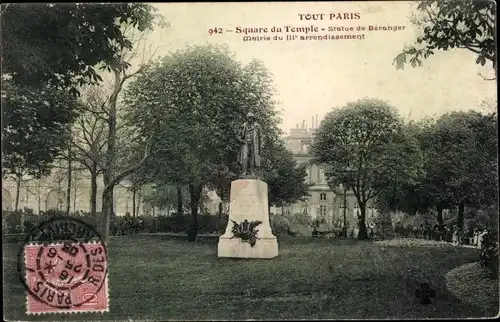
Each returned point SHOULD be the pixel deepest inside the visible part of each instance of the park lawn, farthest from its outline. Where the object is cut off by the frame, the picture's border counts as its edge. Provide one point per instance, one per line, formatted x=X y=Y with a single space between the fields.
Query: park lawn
x=160 y=278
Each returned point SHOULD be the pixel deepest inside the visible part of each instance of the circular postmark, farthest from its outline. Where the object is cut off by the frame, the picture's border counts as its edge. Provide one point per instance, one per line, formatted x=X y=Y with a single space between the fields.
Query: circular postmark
x=63 y=263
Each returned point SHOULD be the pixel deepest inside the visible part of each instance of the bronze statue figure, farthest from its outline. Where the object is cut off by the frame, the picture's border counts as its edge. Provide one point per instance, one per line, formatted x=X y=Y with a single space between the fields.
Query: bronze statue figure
x=252 y=141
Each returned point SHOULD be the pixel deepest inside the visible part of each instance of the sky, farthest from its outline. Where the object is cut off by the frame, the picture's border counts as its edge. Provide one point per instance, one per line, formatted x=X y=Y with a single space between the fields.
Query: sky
x=312 y=76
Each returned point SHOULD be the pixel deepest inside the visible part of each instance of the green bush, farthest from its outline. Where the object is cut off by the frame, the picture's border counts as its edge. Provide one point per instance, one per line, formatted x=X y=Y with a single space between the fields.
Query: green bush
x=488 y=257
x=11 y=222
x=280 y=224
x=176 y=223
x=151 y=224
x=131 y=225
x=212 y=224
x=383 y=225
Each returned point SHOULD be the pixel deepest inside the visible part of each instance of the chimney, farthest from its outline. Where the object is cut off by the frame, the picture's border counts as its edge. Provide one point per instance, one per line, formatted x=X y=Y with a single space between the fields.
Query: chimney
x=312 y=123
x=297 y=125
x=316 y=120
x=303 y=123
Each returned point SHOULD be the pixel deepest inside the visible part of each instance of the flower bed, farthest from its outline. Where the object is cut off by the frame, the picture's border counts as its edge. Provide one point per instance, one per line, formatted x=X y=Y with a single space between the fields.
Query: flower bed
x=412 y=242
x=472 y=284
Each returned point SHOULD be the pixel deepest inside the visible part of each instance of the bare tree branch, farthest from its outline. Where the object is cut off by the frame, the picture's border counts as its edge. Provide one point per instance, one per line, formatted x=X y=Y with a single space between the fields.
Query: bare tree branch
x=485 y=78
x=119 y=177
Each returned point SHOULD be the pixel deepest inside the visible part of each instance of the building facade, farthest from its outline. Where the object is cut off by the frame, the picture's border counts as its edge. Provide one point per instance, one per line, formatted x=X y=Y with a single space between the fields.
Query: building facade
x=50 y=193
x=323 y=201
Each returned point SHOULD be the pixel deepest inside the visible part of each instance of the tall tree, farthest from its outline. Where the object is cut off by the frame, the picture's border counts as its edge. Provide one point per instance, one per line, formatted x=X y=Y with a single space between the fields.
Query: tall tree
x=285 y=178
x=90 y=137
x=464 y=154
x=194 y=102
x=448 y=24
x=47 y=48
x=364 y=147
x=113 y=168
x=427 y=191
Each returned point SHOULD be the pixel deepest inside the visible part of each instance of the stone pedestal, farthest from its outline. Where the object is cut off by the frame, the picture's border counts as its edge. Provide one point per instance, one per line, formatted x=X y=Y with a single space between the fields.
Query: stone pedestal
x=249 y=201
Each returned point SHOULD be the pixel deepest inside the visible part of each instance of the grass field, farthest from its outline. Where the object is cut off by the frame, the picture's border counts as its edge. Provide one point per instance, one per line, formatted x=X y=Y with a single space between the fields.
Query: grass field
x=160 y=278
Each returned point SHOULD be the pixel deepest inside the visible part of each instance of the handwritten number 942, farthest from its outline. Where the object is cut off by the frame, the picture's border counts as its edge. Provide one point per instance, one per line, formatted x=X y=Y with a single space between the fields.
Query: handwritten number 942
x=212 y=31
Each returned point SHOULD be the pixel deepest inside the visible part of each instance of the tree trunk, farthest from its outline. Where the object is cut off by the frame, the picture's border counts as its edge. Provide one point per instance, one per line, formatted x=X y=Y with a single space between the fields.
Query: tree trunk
x=107 y=195
x=195 y=194
x=220 y=209
x=107 y=212
x=220 y=193
x=39 y=191
x=74 y=198
x=93 y=193
x=18 y=188
x=138 y=203
x=68 y=190
x=133 y=202
x=460 y=219
x=362 y=234
x=440 y=216
x=179 y=200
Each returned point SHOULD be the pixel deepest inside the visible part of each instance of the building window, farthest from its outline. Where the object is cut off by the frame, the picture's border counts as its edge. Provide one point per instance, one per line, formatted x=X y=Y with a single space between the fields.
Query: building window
x=305 y=210
x=322 y=176
x=322 y=210
x=355 y=211
x=322 y=196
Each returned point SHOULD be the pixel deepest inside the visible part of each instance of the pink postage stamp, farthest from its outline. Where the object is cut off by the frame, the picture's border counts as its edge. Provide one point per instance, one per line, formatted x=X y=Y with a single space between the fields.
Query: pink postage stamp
x=66 y=278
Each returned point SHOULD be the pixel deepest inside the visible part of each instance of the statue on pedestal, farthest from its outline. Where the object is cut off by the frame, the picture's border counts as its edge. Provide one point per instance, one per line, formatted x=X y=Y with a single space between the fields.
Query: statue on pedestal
x=252 y=141
x=249 y=203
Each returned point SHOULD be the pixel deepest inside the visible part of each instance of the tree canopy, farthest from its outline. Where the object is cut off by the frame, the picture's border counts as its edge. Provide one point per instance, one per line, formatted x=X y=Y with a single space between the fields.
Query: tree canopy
x=35 y=127
x=364 y=147
x=48 y=51
x=459 y=162
x=463 y=159
x=448 y=24
x=285 y=178
x=192 y=104
x=60 y=44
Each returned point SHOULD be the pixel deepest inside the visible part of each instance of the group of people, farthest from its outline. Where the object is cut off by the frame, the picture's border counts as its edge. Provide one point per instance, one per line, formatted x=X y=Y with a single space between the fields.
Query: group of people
x=443 y=233
x=472 y=237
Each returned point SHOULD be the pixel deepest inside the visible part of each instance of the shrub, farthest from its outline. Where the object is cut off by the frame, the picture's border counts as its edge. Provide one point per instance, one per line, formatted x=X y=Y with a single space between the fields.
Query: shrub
x=300 y=219
x=280 y=224
x=150 y=224
x=488 y=257
x=207 y=224
x=222 y=223
x=175 y=223
x=11 y=222
x=131 y=225
x=383 y=225
x=300 y=224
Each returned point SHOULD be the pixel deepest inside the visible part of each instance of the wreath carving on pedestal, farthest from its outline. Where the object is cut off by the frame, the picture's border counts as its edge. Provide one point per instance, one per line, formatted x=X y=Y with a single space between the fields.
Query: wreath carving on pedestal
x=246 y=231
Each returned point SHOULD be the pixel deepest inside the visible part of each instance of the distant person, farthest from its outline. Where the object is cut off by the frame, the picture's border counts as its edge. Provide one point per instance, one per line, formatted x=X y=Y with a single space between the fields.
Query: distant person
x=476 y=237
x=480 y=239
x=455 y=237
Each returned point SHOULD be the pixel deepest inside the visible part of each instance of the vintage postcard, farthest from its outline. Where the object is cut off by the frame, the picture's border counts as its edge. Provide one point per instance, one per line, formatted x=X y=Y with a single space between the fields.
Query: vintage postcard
x=250 y=160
